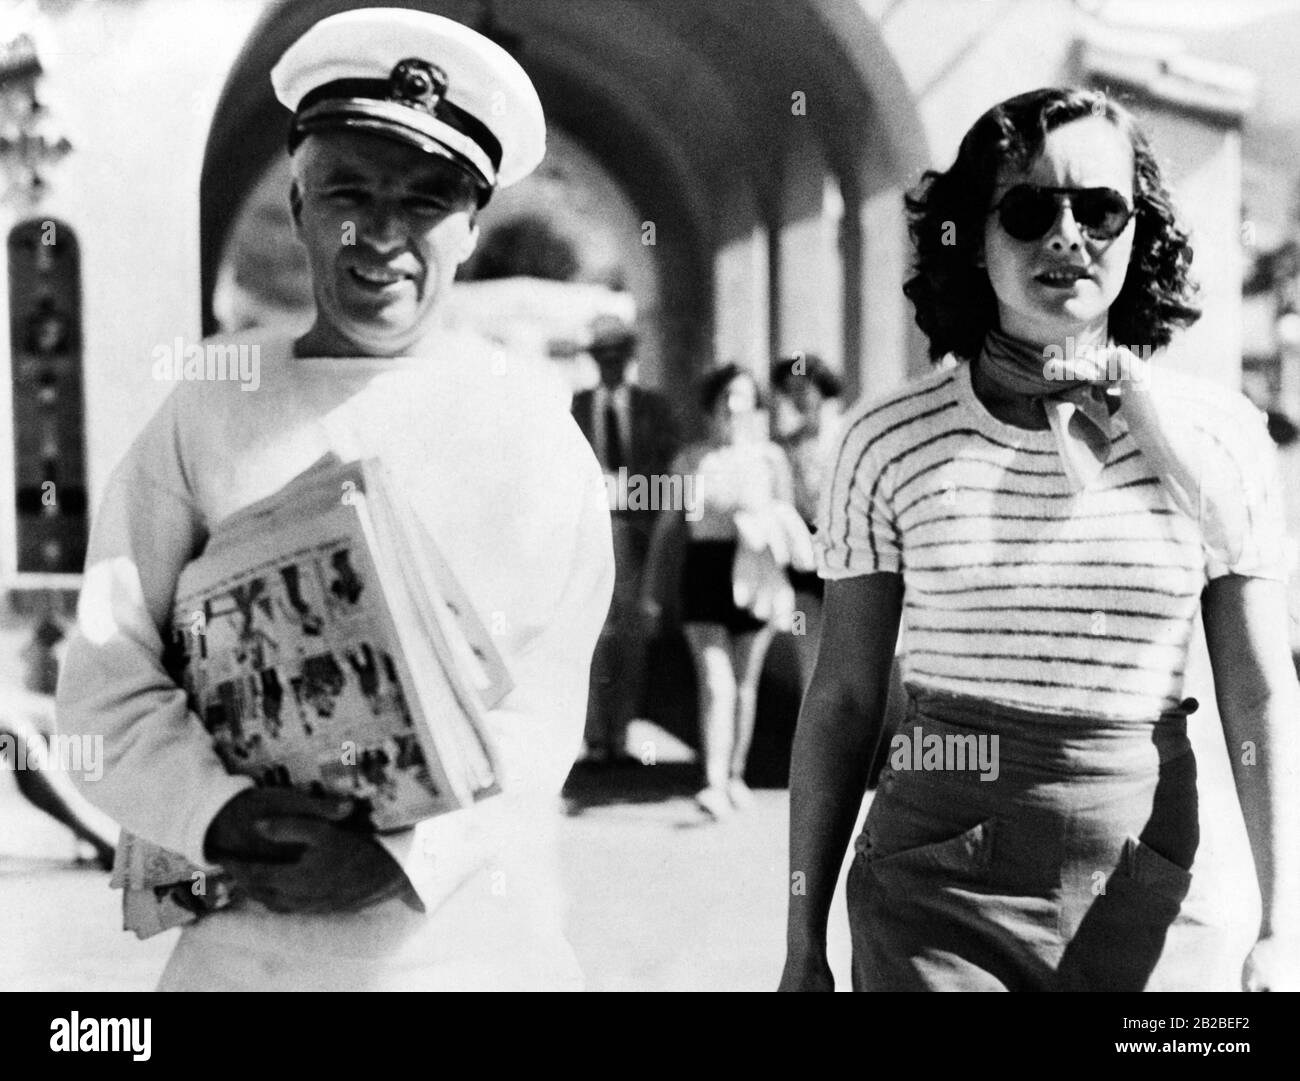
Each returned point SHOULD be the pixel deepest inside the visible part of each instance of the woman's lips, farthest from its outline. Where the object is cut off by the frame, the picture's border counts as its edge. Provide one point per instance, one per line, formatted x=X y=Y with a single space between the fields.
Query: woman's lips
x=1062 y=277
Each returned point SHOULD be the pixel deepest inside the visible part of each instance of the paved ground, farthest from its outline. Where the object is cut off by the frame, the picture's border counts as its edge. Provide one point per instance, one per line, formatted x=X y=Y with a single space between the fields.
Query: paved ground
x=659 y=899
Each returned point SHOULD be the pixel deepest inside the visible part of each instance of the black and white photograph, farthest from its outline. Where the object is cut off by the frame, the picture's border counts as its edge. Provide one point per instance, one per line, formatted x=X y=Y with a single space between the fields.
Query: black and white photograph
x=652 y=495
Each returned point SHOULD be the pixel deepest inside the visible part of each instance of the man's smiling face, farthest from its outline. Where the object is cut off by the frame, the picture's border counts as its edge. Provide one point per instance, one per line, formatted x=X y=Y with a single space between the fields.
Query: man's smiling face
x=385 y=226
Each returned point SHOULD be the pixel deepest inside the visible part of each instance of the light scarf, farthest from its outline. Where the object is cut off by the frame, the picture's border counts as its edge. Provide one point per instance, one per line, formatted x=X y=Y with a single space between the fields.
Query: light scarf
x=1193 y=472
x=769 y=540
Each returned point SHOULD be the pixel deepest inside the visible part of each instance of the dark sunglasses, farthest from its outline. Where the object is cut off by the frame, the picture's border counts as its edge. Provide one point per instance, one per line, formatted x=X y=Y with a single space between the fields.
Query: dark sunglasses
x=1028 y=211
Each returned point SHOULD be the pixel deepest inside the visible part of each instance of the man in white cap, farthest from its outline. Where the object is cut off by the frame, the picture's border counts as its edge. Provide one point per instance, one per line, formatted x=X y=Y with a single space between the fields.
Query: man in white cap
x=404 y=123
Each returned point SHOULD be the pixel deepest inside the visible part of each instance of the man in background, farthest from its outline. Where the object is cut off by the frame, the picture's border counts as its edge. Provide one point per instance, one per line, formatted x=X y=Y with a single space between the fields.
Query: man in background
x=634 y=435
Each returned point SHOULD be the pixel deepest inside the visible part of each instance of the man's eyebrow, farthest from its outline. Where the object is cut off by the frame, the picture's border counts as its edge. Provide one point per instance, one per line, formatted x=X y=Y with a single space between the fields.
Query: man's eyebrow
x=343 y=174
x=438 y=184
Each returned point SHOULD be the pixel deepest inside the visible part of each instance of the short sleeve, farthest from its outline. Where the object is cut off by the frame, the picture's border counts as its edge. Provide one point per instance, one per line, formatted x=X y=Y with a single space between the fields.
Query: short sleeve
x=856 y=529
x=1253 y=461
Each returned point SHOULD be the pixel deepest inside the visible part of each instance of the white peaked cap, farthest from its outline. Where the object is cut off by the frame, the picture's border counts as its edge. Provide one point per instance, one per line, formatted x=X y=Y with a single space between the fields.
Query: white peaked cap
x=418 y=78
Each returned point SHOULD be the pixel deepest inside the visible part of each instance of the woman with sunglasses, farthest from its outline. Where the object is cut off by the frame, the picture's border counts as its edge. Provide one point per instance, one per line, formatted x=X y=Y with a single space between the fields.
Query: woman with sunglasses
x=1047 y=515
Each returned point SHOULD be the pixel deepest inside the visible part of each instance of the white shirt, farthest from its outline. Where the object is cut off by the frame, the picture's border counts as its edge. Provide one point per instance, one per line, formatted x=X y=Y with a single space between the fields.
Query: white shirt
x=509 y=489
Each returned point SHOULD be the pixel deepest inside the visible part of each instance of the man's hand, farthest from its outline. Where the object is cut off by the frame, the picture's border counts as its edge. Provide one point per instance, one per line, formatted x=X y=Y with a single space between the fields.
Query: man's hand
x=296 y=853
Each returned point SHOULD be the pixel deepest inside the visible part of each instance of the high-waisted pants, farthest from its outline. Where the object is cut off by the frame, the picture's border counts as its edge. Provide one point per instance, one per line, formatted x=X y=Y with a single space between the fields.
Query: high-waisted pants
x=1066 y=869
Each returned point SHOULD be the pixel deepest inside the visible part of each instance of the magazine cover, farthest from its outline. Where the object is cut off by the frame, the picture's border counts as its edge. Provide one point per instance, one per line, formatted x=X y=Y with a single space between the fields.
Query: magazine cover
x=324 y=644
x=290 y=667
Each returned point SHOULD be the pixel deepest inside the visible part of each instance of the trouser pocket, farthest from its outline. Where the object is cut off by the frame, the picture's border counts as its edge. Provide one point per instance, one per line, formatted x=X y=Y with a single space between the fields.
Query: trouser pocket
x=965 y=853
x=1127 y=923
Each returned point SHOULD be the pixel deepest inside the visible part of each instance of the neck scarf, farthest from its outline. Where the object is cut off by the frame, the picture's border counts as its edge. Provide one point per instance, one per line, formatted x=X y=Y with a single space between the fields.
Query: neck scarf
x=1076 y=408
x=1194 y=472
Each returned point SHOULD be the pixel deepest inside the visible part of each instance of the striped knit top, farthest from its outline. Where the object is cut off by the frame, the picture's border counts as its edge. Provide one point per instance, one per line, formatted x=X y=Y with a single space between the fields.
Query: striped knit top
x=1017 y=589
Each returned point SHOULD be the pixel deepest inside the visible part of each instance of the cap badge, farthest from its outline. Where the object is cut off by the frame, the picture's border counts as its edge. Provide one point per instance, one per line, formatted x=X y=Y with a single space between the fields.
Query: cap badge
x=417 y=84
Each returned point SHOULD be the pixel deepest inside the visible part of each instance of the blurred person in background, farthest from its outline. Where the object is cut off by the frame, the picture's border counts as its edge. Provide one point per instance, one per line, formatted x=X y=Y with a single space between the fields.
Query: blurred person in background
x=805 y=424
x=1286 y=436
x=634 y=435
x=742 y=535
x=26 y=718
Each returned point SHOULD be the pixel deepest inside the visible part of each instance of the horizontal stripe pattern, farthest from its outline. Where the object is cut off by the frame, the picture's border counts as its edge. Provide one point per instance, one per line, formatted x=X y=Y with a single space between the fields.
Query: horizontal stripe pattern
x=1017 y=588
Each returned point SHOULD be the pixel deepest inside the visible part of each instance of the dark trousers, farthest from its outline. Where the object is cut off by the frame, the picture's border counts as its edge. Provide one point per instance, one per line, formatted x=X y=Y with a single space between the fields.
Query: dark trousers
x=618 y=664
x=1070 y=870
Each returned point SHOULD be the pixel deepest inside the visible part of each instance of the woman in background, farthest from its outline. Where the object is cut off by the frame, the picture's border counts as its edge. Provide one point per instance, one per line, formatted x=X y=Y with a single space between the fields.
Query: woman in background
x=1050 y=530
x=742 y=533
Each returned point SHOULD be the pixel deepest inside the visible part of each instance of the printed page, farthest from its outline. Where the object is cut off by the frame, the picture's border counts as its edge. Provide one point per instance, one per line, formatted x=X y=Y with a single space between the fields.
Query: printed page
x=291 y=664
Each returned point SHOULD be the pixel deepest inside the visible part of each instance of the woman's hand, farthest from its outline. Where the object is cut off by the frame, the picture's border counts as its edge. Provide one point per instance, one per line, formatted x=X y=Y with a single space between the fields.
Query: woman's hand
x=1273 y=965
x=806 y=970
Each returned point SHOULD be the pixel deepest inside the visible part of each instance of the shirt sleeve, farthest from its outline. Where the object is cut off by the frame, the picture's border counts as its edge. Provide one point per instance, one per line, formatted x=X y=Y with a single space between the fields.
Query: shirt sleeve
x=1252 y=460
x=161 y=778
x=856 y=529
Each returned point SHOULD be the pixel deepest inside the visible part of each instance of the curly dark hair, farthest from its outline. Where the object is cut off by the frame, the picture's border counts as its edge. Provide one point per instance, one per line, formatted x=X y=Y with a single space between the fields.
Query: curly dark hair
x=714 y=385
x=806 y=366
x=955 y=303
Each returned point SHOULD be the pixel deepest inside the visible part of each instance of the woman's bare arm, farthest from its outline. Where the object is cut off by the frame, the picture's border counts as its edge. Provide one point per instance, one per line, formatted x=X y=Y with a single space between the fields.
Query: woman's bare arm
x=839 y=726
x=1259 y=701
